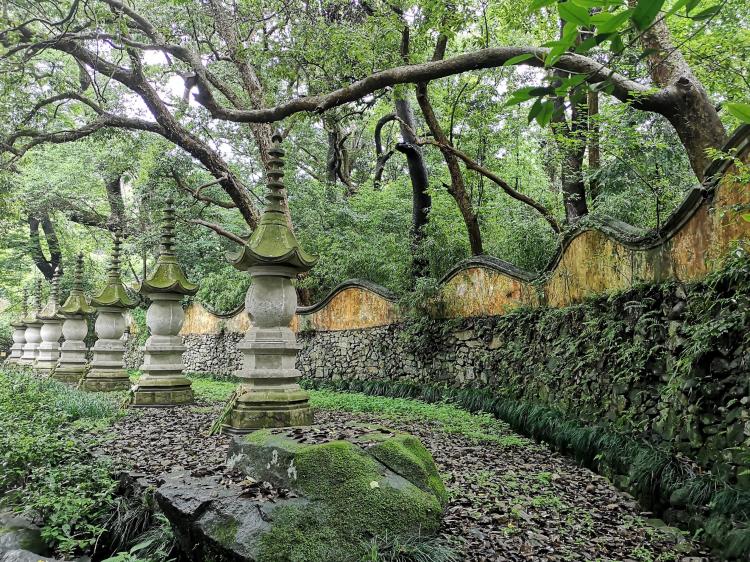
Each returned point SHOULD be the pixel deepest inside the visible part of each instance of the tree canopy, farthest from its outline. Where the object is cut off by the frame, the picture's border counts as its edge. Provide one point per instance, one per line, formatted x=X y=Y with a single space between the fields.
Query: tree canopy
x=417 y=133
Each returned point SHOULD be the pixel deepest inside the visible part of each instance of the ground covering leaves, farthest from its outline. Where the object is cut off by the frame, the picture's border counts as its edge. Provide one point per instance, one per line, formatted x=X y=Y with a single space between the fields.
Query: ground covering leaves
x=510 y=498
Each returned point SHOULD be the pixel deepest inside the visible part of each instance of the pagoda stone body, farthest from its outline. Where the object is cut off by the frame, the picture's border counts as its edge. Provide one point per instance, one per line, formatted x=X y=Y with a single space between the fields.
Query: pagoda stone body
x=19 y=332
x=107 y=371
x=72 y=363
x=162 y=382
x=51 y=330
x=32 y=334
x=269 y=394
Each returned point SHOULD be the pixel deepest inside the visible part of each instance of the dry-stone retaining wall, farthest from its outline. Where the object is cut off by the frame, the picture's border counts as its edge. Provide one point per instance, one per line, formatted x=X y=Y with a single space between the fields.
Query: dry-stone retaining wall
x=668 y=363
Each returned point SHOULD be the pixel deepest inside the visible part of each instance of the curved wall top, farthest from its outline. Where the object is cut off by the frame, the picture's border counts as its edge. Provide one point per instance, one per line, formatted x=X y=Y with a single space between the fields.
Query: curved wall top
x=601 y=255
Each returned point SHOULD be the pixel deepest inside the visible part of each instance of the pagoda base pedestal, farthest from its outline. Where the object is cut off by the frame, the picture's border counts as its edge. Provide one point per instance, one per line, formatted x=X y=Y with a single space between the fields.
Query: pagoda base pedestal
x=107 y=372
x=69 y=374
x=105 y=380
x=72 y=364
x=49 y=348
x=162 y=382
x=262 y=408
x=162 y=391
x=269 y=394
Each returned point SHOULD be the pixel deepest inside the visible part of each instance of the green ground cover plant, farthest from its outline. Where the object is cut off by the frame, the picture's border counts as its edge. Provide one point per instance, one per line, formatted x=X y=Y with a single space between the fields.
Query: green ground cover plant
x=47 y=470
x=446 y=416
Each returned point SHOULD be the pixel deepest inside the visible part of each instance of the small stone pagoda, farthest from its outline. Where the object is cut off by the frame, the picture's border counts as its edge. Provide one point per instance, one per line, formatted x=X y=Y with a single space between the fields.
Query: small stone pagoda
x=72 y=362
x=162 y=382
x=107 y=371
x=269 y=394
x=49 y=348
x=32 y=334
x=19 y=332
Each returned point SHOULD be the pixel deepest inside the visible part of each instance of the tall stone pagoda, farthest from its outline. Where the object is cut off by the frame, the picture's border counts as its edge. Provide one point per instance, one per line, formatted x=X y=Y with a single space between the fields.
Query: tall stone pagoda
x=162 y=382
x=32 y=334
x=72 y=363
x=107 y=370
x=19 y=332
x=51 y=330
x=269 y=394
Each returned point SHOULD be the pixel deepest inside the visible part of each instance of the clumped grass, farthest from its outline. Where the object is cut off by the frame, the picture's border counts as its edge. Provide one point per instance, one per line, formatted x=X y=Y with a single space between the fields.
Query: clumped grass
x=448 y=417
x=409 y=549
x=207 y=389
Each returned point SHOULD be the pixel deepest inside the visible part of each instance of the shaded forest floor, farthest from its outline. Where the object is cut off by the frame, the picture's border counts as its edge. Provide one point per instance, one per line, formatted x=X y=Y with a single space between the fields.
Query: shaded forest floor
x=511 y=498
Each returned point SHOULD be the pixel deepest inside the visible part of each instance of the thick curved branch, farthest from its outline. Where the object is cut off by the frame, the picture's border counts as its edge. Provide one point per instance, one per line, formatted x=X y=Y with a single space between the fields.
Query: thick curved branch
x=624 y=89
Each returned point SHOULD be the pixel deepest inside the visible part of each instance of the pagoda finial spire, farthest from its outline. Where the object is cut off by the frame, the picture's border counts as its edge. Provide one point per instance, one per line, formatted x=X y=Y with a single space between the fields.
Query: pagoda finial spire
x=77 y=288
x=167 y=231
x=113 y=272
x=114 y=293
x=38 y=293
x=25 y=303
x=54 y=295
x=275 y=175
x=76 y=304
x=273 y=241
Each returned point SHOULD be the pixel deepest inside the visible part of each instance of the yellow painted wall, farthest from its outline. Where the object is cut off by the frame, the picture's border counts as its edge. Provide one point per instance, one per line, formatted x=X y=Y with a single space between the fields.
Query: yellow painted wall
x=592 y=263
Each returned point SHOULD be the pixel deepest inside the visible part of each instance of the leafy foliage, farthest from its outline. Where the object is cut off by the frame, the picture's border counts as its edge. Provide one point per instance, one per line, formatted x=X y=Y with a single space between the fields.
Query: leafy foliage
x=45 y=468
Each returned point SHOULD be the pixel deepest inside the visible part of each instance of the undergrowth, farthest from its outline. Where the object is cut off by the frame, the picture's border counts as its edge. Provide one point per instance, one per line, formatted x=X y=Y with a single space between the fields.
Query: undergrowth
x=46 y=469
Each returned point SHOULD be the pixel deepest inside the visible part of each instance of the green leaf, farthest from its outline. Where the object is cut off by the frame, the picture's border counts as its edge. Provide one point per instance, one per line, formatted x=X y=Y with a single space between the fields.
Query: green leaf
x=545 y=114
x=707 y=13
x=676 y=6
x=607 y=22
x=746 y=216
x=537 y=4
x=588 y=4
x=519 y=58
x=521 y=95
x=574 y=14
x=645 y=12
x=535 y=109
x=739 y=110
x=616 y=45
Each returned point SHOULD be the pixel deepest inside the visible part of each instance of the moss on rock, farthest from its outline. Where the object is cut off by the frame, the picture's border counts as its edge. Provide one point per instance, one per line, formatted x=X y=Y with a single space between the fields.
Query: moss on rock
x=351 y=496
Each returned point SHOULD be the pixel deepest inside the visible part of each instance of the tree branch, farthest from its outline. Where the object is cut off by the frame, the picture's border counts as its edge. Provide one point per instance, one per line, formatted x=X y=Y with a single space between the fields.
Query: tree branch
x=220 y=231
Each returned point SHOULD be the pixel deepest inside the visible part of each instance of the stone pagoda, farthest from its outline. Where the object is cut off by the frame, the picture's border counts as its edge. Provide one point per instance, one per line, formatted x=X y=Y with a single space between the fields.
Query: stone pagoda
x=72 y=362
x=49 y=348
x=33 y=327
x=269 y=394
x=19 y=331
x=162 y=382
x=107 y=371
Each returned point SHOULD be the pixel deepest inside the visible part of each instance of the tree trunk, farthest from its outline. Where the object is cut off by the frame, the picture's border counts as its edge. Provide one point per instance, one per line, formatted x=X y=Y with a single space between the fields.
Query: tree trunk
x=691 y=113
x=594 y=149
x=421 y=200
x=45 y=266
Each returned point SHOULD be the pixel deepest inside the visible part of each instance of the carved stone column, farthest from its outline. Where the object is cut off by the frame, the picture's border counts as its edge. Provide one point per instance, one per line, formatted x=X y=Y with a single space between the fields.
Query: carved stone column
x=19 y=332
x=72 y=363
x=107 y=370
x=32 y=334
x=162 y=382
x=51 y=331
x=269 y=394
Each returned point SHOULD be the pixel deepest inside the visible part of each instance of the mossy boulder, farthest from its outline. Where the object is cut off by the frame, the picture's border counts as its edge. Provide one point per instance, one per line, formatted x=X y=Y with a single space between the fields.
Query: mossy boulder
x=340 y=495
